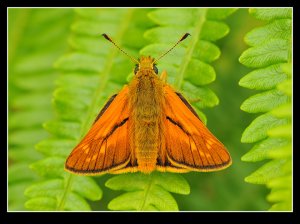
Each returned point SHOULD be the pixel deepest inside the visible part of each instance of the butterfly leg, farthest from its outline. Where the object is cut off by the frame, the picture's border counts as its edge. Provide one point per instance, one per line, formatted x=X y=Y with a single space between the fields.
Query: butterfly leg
x=163 y=76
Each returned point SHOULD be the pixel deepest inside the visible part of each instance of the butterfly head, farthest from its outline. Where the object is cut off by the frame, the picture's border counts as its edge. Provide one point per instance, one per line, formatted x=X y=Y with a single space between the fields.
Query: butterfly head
x=146 y=63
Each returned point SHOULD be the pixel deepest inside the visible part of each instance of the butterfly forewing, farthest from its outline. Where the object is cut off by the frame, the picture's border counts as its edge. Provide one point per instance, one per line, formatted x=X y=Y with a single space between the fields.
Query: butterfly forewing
x=106 y=146
x=189 y=144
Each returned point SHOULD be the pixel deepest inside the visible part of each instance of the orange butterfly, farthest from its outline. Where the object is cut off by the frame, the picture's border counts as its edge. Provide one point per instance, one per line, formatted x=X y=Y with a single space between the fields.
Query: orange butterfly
x=147 y=126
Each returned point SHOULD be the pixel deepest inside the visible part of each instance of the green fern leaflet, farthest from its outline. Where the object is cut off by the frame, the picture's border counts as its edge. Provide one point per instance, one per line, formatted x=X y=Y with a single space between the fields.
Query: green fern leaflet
x=270 y=55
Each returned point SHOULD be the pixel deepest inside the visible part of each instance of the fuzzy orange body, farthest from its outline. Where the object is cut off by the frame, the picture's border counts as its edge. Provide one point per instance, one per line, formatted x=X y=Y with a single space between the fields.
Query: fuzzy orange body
x=146 y=127
x=146 y=103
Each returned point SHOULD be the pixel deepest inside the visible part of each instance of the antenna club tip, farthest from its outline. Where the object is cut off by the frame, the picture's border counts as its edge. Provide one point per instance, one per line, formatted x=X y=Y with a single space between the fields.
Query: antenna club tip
x=185 y=36
x=106 y=37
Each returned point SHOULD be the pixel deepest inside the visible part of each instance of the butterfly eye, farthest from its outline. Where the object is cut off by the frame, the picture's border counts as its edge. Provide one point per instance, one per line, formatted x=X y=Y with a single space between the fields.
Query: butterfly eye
x=155 y=69
x=136 y=69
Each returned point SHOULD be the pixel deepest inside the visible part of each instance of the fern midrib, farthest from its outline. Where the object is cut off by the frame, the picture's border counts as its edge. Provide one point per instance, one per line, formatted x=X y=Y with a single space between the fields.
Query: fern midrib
x=94 y=105
x=147 y=190
x=61 y=204
x=188 y=56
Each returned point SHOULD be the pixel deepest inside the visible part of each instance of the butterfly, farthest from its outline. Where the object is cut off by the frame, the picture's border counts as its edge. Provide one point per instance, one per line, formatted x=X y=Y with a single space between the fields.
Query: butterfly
x=147 y=126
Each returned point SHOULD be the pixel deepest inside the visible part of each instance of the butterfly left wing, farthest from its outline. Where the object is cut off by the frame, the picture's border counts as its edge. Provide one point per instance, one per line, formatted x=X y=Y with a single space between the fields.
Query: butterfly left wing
x=189 y=145
x=106 y=147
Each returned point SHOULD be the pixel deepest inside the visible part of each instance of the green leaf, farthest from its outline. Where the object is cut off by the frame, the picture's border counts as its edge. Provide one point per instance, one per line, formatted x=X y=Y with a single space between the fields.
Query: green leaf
x=271 y=52
x=284 y=110
x=279 y=195
x=204 y=96
x=80 y=62
x=33 y=101
x=43 y=63
x=41 y=204
x=158 y=35
x=286 y=87
x=219 y=13
x=56 y=147
x=159 y=200
x=16 y=198
x=25 y=153
x=74 y=202
x=199 y=73
x=265 y=78
x=262 y=149
x=54 y=188
x=49 y=167
x=169 y=181
x=63 y=128
x=287 y=69
x=20 y=120
x=278 y=29
x=281 y=182
x=281 y=152
x=111 y=15
x=26 y=137
x=267 y=172
x=264 y=102
x=184 y=17
x=147 y=192
x=271 y=13
x=213 y=30
x=68 y=94
x=20 y=172
x=283 y=206
x=76 y=80
x=69 y=111
x=206 y=51
x=86 y=187
x=281 y=131
x=51 y=188
x=258 y=129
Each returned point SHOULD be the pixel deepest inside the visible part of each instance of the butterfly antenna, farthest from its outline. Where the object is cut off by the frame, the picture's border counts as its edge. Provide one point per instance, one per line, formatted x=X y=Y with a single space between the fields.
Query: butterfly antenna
x=110 y=40
x=181 y=39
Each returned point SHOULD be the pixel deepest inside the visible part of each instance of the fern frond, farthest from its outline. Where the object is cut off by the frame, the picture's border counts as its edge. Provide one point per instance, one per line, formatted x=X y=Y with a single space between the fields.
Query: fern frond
x=147 y=192
x=32 y=50
x=189 y=72
x=270 y=55
x=90 y=73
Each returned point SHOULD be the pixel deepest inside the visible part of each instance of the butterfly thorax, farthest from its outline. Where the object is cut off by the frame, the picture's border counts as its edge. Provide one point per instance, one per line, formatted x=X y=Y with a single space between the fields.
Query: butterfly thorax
x=146 y=102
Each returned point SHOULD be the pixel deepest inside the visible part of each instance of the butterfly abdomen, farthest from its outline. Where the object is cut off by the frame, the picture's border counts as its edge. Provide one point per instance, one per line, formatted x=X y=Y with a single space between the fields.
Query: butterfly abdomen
x=146 y=103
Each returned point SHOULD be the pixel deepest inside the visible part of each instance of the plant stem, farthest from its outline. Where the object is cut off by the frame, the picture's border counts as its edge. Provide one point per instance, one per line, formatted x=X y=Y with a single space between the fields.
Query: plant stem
x=188 y=56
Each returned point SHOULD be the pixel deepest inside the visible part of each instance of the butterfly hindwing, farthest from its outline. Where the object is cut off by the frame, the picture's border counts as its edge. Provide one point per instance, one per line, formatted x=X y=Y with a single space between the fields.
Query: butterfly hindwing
x=188 y=143
x=106 y=146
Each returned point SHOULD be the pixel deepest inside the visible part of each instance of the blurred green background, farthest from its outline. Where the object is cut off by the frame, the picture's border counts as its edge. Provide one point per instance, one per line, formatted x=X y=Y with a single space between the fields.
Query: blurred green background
x=38 y=37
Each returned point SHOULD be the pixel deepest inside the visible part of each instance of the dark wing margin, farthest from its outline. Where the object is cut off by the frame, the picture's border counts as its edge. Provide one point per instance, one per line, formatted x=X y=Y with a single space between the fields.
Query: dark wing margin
x=187 y=104
x=111 y=99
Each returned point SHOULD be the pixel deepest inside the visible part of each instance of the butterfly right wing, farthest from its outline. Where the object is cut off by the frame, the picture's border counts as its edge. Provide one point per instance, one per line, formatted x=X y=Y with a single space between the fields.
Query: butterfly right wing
x=106 y=147
x=189 y=145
